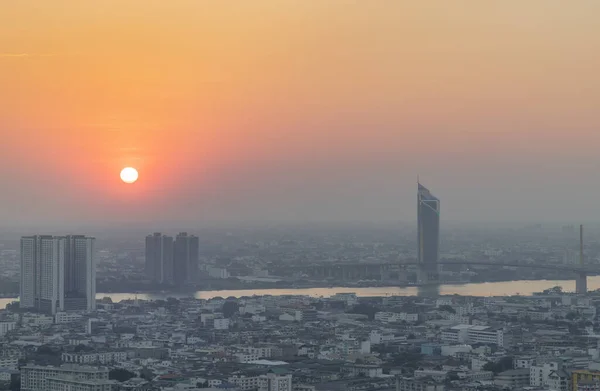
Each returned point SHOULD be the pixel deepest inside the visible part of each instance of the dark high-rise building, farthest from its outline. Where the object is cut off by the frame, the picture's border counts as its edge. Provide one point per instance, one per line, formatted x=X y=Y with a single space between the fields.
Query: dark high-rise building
x=185 y=258
x=428 y=216
x=80 y=273
x=159 y=258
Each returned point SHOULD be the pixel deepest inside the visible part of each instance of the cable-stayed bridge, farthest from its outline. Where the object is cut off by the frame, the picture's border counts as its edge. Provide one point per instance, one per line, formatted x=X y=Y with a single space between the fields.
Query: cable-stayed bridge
x=357 y=270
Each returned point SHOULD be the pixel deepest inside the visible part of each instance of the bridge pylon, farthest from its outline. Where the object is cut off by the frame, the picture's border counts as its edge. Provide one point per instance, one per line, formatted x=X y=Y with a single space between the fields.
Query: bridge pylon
x=428 y=274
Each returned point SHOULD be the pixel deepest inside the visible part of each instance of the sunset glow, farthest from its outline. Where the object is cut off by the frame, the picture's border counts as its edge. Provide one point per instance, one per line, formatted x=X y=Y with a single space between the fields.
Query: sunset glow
x=279 y=110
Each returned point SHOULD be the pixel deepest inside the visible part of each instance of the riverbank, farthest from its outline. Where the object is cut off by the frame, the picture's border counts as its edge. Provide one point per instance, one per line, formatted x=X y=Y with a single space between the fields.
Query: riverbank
x=211 y=286
x=508 y=288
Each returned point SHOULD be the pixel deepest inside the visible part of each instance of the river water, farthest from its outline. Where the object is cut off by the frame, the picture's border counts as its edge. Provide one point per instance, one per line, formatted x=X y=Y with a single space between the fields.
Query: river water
x=506 y=288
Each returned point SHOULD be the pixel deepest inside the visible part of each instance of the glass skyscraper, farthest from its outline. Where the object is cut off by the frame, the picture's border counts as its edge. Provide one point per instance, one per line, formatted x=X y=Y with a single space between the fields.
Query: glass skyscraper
x=428 y=216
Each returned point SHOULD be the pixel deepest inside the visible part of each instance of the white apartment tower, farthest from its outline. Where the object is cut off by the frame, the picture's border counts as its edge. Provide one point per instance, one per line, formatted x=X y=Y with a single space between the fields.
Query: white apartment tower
x=58 y=273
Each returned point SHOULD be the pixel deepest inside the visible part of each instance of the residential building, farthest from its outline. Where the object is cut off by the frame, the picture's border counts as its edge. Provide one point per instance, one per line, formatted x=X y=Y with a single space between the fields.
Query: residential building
x=159 y=258
x=5 y=327
x=465 y=333
x=35 y=378
x=70 y=383
x=585 y=380
x=185 y=258
x=513 y=379
x=275 y=382
x=58 y=273
x=413 y=384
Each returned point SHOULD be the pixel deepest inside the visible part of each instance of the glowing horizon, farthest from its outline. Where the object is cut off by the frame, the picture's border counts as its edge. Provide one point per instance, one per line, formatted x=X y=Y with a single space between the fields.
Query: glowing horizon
x=298 y=110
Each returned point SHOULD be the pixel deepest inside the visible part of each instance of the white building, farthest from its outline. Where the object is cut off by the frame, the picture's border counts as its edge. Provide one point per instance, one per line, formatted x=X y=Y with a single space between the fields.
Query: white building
x=66 y=383
x=218 y=272
x=538 y=374
x=275 y=382
x=392 y=317
x=9 y=361
x=36 y=378
x=221 y=324
x=5 y=327
x=465 y=333
x=58 y=273
x=66 y=317
x=260 y=351
x=94 y=357
x=244 y=383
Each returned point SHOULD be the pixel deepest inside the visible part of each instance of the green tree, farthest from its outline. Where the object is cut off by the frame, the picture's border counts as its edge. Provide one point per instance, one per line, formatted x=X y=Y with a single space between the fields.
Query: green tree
x=447 y=308
x=230 y=308
x=364 y=309
x=120 y=374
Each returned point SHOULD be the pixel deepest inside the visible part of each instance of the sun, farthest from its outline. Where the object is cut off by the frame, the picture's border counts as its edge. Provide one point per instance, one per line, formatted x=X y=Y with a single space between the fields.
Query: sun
x=129 y=175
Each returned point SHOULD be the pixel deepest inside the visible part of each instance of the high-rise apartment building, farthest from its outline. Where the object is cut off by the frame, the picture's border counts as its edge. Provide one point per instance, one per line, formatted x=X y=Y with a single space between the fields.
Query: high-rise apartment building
x=185 y=258
x=58 y=273
x=159 y=258
x=428 y=216
x=275 y=382
x=80 y=273
x=66 y=377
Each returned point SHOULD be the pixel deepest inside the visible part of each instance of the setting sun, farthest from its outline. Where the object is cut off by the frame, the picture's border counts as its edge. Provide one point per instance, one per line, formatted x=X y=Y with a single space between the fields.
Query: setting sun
x=129 y=175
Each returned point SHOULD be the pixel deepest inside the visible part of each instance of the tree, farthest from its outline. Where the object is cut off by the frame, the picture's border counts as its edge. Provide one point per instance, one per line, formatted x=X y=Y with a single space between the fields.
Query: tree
x=230 y=308
x=447 y=308
x=571 y=315
x=120 y=374
x=83 y=348
x=364 y=309
x=45 y=349
x=146 y=374
x=504 y=364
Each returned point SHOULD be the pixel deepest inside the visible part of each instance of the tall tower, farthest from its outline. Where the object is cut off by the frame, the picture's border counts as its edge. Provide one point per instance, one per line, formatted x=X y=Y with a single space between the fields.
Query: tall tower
x=80 y=273
x=42 y=273
x=159 y=258
x=581 y=281
x=57 y=273
x=428 y=219
x=185 y=258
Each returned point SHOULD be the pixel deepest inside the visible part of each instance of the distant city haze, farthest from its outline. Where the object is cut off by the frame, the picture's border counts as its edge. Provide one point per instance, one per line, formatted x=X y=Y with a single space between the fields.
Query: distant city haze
x=271 y=110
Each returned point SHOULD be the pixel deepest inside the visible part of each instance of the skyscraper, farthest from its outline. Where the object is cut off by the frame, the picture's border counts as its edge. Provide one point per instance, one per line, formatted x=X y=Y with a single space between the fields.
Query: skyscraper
x=185 y=258
x=80 y=273
x=159 y=258
x=58 y=273
x=428 y=216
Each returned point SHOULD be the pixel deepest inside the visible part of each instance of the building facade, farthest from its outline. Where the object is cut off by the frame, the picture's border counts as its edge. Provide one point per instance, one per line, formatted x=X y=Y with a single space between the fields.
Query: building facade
x=58 y=273
x=275 y=382
x=37 y=378
x=159 y=258
x=428 y=219
x=185 y=258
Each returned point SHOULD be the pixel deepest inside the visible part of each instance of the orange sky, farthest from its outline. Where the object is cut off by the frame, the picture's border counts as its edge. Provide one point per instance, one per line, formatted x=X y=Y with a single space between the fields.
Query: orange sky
x=283 y=109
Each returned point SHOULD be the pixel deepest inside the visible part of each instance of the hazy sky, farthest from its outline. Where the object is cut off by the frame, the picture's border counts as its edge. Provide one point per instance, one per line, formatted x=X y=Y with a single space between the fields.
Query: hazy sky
x=299 y=110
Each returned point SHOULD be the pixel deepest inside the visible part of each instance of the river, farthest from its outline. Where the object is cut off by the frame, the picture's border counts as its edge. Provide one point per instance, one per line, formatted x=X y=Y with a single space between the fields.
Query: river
x=506 y=288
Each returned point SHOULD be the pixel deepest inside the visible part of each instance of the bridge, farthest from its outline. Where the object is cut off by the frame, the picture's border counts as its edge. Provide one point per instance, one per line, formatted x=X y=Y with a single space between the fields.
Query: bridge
x=354 y=270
